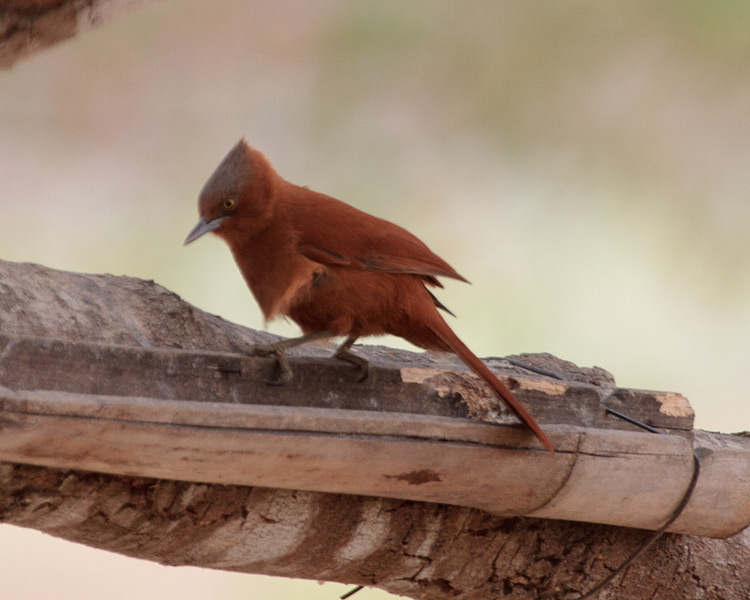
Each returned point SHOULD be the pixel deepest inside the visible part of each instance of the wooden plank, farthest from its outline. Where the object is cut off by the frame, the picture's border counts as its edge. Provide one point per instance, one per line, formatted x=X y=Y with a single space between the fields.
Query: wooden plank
x=173 y=374
x=257 y=448
x=289 y=419
x=615 y=477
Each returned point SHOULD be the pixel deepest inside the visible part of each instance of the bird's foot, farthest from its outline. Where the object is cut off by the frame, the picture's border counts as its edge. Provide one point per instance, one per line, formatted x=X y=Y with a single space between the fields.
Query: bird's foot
x=278 y=350
x=285 y=370
x=343 y=353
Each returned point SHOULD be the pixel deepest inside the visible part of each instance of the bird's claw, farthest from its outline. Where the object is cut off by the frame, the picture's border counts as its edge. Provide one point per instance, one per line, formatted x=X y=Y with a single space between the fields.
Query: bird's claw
x=364 y=372
x=285 y=370
x=285 y=376
x=362 y=365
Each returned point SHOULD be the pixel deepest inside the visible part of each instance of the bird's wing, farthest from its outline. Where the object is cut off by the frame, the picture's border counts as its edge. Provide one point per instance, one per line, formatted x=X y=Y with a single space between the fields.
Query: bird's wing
x=334 y=233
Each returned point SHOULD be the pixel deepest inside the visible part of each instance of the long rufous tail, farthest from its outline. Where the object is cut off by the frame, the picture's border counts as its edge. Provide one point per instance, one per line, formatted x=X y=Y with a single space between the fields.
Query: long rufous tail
x=445 y=333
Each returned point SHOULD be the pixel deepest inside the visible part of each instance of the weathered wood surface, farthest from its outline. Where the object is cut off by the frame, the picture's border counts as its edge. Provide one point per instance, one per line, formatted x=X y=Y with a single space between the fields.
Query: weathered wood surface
x=412 y=457
x=596 y=476
x=412 y=548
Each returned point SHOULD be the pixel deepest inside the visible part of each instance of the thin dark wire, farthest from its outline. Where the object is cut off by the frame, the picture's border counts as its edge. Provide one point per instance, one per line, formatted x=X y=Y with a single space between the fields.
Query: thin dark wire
x=659 y=532
x=631 y=420
x=538 y=370
x=351 y=592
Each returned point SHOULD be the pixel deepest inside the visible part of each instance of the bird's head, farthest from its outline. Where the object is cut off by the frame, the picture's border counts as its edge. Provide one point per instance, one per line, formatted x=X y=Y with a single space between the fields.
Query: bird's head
x=237 y=195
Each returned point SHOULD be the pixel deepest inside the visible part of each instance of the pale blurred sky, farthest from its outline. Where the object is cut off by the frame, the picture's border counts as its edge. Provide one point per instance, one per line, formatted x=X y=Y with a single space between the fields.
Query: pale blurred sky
x=586 y=167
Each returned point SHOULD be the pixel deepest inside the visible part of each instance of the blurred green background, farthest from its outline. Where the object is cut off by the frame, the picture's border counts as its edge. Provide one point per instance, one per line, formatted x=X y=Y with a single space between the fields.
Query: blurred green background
x=587 y=167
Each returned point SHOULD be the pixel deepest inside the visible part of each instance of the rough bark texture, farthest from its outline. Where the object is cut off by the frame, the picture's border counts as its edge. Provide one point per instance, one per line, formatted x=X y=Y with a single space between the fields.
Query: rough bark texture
x=414 y=549
x=418 y=550
x=27 y=26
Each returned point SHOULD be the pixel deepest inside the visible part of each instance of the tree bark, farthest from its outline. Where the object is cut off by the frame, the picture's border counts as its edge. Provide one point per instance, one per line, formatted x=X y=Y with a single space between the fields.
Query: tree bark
x=28 y=26
x=420 y=550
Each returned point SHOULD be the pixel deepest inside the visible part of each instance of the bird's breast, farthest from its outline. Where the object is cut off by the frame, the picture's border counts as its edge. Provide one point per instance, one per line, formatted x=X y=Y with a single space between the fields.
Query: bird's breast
x=277 y=278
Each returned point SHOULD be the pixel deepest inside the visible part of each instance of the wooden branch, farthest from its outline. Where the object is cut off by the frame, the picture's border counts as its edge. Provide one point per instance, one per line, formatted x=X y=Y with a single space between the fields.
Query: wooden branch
x=73 y=401
x=31 y=25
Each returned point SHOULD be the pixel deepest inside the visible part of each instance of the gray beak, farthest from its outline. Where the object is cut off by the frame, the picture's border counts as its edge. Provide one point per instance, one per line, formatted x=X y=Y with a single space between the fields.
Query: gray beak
x=202 y=227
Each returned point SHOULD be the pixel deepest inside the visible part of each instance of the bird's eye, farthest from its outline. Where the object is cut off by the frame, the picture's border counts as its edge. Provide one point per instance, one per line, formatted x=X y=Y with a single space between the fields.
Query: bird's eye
x=229 y=203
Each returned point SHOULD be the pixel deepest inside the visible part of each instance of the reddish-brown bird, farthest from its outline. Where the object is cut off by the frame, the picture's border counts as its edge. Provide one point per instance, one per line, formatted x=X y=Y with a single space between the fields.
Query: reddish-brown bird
x=331 y=268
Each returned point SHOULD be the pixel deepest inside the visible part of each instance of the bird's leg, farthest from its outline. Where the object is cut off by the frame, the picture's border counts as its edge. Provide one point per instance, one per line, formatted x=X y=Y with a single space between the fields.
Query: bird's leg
x=343 y=353
x=279 y=349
